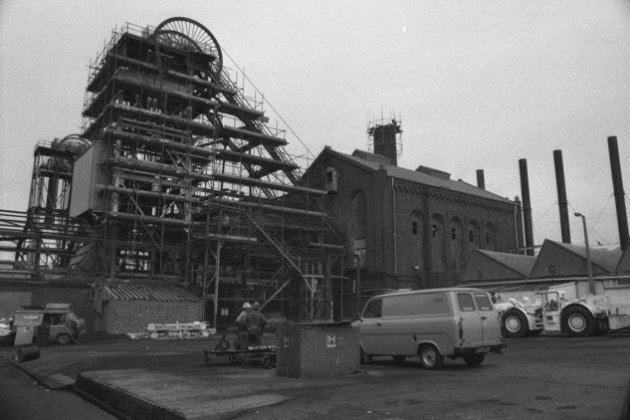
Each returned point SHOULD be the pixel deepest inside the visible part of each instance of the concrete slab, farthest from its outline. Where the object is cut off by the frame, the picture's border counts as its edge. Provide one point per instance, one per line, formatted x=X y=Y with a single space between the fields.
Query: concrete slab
x=143 y=394
x=58 y=381
x=54 y=381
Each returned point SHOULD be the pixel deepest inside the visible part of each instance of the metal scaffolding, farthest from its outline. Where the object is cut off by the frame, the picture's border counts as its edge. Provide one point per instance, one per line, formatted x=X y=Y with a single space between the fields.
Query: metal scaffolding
x=177 y=178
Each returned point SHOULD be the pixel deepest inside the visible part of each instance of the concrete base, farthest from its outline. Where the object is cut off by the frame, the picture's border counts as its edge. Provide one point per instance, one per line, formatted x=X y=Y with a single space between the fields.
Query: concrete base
x=141 y=394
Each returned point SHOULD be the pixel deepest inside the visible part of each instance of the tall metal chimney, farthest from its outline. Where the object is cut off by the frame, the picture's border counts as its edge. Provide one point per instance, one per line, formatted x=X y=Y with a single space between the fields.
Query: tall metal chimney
x=565 y=230
x=481 y=181
x=527 y=209
x=518 y=223
x=622 y=217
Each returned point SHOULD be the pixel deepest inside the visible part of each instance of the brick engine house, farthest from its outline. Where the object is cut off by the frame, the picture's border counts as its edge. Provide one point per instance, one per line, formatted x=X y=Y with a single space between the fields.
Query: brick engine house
x=409 y=228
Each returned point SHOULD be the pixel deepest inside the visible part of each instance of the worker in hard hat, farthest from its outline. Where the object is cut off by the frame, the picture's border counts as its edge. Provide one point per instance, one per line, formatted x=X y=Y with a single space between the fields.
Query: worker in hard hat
x=239 y=319
x=242 y=328
x=254 y=322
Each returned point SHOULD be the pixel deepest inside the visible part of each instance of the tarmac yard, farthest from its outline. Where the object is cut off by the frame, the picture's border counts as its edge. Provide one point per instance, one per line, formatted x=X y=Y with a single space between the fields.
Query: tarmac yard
x=538 y=377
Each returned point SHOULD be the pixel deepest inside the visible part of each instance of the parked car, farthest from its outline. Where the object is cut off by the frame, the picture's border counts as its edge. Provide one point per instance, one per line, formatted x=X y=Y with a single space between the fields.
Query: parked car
x=431 y=324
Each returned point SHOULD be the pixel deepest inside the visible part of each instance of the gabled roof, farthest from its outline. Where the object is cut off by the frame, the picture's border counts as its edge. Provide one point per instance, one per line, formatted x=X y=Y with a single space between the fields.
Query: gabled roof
x=557 y=259
x=415 y=176
x=496 y=266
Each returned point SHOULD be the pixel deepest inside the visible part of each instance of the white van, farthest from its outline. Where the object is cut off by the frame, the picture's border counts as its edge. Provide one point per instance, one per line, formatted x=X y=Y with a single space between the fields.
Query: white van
x=432 y=324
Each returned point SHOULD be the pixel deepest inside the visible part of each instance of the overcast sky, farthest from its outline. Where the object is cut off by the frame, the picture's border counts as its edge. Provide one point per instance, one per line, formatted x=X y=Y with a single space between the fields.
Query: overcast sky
x=477 y=84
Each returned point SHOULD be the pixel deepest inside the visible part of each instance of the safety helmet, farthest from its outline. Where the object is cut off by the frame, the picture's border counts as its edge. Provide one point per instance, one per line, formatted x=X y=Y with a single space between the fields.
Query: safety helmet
x=246 y=305
x=256 y=305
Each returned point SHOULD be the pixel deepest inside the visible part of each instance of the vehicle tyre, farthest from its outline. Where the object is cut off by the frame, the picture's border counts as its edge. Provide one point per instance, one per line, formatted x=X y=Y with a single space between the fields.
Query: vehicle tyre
x=399 y=359
x=63 y=339
x=578 y=321
x=364 y=358
x=474 y=359
x=430 y=357
x=514 y=324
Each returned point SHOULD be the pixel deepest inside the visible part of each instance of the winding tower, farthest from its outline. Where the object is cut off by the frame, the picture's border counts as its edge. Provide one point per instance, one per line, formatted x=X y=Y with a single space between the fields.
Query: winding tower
x=186 y=183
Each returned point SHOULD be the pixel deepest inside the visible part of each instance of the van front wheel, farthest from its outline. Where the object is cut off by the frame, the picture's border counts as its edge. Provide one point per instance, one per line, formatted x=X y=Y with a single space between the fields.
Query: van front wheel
x=474 y=359
x=430 y=357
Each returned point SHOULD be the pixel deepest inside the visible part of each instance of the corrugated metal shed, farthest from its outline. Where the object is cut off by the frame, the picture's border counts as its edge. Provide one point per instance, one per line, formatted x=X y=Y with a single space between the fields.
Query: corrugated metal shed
x=149 y=292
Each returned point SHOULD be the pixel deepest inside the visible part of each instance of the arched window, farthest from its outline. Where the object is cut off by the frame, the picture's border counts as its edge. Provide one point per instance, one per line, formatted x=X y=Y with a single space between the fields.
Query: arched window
x=417 y=240
x=331 y=180
x=438 y=257
x=457 y=244
x=473 y=235
x=491 y=237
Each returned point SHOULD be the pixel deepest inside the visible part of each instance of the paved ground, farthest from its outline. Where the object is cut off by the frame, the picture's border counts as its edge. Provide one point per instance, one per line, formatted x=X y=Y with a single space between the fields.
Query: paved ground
x=541 y=377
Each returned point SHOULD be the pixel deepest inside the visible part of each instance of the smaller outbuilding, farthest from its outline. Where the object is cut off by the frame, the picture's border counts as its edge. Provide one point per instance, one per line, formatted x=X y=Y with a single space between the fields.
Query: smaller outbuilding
x=557 y=259
x=130 y=308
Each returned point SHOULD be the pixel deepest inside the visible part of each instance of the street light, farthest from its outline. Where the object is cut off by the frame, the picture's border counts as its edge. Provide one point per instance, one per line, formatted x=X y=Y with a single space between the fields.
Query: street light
x=589 y=267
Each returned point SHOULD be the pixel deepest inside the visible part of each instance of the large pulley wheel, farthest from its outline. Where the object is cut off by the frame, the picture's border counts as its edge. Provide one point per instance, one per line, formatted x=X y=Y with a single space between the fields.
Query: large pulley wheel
x=185 y=33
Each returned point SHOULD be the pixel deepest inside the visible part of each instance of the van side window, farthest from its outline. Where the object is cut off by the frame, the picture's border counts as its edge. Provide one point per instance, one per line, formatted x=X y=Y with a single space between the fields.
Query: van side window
x=466 y=303
x=416 y=304
x=483 y=302
x=373 y=309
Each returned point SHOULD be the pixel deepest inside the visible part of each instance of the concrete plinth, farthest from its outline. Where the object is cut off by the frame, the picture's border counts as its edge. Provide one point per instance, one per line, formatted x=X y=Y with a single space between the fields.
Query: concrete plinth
x=317 y=349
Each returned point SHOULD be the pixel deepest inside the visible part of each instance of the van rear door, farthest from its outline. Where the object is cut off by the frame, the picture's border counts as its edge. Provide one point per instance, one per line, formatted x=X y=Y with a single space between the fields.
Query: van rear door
x=470 y=323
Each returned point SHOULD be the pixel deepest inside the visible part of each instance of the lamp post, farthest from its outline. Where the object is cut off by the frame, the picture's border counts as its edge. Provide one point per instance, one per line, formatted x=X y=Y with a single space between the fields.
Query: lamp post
x=589 y=267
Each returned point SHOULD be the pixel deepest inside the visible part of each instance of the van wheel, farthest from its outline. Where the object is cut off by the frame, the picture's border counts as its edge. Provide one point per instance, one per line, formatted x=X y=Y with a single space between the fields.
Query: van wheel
x=399 y=359
x=364 y=358
x=514 y=324
x=474 y=359
x=578 y=321
x=430 y=357
x=63 y=339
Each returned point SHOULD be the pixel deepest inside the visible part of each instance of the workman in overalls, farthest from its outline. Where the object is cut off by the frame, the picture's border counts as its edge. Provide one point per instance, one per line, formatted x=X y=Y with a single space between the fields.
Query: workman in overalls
x=253 y=323
x=242 y=328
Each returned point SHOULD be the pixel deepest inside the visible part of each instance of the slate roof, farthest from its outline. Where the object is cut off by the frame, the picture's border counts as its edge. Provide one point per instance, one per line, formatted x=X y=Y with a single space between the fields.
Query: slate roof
x=422 y=178
x=606 y=258
x=522 y=264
